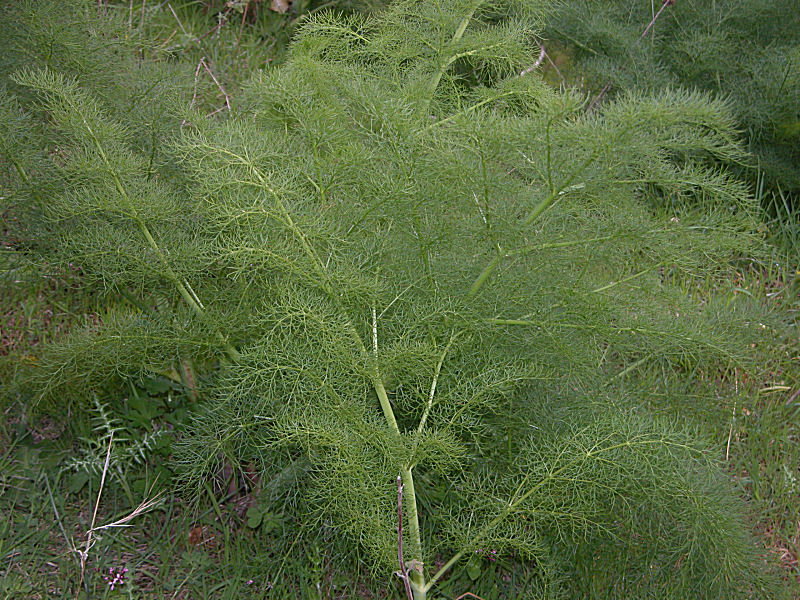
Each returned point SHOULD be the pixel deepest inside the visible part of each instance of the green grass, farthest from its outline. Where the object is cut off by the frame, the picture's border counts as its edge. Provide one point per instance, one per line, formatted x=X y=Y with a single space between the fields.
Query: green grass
x=233 y=39
x=210 y=548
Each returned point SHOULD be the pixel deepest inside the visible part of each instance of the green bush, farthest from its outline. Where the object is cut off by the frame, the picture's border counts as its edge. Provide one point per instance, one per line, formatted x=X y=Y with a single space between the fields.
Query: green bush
x=415 y=277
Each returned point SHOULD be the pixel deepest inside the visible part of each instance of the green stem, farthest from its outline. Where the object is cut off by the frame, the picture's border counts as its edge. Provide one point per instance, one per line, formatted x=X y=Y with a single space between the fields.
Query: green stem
x=417 y=577
x=569 y=244
x=631 y=367
x=459 y=33
x=377 y=380
x=626 y=279
x=132 y=299
x=186 y=292
x=538 y=210
x=495 y=262
x=184 y=289
x=20 y=170
x=471 y=108
x=513 y=504
x=262 y=183
x=434 y=383
x=532 y=216
x=416 y=574
x=484 y=275
x=576 y=42
x=386 y=405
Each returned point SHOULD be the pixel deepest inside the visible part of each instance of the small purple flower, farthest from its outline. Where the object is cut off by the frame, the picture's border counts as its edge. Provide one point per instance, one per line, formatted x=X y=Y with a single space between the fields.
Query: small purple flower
x=115 y=577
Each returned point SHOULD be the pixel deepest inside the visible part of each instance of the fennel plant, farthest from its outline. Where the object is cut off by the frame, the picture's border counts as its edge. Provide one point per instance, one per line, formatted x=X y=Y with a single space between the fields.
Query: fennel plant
x=400 y=259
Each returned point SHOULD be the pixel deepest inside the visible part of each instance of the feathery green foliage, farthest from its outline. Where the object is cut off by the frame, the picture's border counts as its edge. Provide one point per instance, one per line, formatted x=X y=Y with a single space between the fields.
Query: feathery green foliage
x=747 y=51
x=398 y=258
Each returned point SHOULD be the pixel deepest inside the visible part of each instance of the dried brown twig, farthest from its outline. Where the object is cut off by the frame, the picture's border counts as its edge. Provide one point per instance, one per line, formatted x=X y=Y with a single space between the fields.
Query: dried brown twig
x=84 y=554
x=403 y=572
x=203 y=64
x=218 y=84
x=664 y=5
x=535 y=65
x=144 y=507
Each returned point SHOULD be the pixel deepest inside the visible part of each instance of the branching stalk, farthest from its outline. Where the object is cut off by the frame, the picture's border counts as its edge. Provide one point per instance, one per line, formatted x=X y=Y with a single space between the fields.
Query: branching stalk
x=183 y=287
x=459 y=33
x=434 y=382
x=513 y=504
x=534 y=215
x=626 y=279
x=377 y=381
x=471 y=108
x=403 y=568
x=416 y=576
